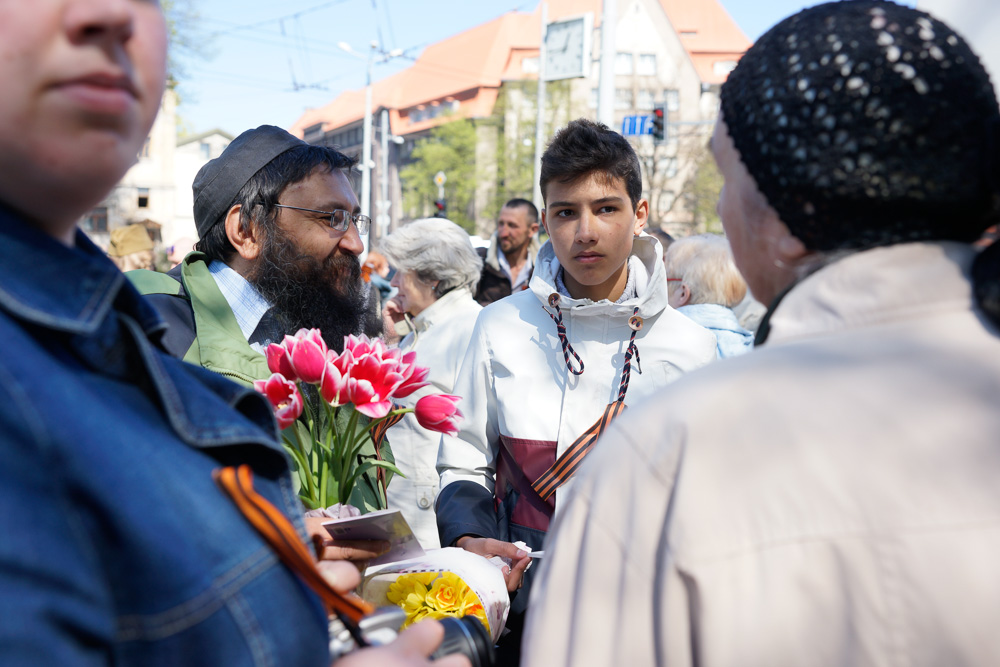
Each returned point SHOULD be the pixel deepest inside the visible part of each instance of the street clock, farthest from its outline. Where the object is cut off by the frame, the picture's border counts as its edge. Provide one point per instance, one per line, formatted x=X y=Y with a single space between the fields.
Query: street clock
x=567 y=48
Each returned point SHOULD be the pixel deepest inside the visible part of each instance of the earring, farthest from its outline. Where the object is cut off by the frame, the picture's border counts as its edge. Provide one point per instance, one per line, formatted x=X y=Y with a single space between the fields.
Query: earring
x=778 y=263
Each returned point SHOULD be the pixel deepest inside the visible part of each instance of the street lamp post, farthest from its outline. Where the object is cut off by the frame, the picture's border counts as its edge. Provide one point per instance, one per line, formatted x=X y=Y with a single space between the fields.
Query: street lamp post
x=366 y=142
x=366 y=146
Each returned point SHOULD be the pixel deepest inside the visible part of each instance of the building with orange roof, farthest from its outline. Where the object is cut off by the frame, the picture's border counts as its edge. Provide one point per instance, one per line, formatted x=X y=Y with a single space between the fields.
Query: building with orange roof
x=674 y=52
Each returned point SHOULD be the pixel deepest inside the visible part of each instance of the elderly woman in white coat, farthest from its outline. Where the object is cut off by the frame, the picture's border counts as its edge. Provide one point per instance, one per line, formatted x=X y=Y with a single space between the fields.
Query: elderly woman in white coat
x=437 y=271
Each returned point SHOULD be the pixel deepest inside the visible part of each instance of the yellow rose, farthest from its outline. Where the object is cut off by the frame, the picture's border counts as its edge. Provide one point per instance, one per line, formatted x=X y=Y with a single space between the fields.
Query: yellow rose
x=448 y=593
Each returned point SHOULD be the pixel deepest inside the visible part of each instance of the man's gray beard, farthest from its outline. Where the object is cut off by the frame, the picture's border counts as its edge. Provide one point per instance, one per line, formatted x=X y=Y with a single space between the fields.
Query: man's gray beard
x=307 y=293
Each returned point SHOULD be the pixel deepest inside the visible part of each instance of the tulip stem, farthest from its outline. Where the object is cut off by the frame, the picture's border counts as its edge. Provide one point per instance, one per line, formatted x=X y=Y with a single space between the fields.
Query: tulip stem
x=347 y=453
x=300 y=458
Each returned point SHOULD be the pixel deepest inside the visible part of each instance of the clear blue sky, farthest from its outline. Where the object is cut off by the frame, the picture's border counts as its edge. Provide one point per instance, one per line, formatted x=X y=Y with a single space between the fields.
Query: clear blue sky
x=266 y=62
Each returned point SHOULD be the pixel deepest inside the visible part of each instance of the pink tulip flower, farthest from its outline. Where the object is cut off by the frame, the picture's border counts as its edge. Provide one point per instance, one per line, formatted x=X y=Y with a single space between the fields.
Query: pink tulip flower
x=414 y=377
x=278 y=361
x=284 y=397
x=439 y=412
x=371 y=383
x=333 y=385
x=307 y=354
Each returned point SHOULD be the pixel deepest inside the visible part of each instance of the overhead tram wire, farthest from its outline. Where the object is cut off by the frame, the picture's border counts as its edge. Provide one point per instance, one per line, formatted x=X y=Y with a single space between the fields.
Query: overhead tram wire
x=317 y=50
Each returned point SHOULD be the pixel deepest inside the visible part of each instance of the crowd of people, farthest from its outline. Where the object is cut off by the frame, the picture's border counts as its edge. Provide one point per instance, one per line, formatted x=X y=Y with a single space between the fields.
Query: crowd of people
x=777 y=446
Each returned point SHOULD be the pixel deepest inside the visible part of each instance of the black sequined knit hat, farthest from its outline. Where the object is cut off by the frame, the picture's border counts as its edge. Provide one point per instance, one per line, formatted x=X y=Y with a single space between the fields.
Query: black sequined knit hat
x=865 y=123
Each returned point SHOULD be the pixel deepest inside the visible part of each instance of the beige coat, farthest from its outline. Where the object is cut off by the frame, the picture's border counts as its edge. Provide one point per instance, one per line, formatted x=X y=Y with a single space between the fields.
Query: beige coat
x=440 y=337
x=832 y=498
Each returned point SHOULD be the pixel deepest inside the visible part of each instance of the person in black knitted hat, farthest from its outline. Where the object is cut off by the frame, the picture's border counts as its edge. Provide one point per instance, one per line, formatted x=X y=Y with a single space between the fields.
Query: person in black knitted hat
x=828 y=498
x=869 y=126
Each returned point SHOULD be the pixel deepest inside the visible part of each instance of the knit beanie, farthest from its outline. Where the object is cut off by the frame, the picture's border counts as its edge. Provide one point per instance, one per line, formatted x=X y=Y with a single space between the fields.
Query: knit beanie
x=220 y=180
x=866 y=123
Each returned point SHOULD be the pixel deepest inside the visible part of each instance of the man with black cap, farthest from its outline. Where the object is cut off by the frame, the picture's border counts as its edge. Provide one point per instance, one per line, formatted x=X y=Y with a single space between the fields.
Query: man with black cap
x=280 y=234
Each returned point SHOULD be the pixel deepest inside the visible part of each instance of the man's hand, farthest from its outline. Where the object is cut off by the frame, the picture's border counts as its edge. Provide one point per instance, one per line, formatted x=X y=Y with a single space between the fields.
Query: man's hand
x=488 y=548
x=358 y=552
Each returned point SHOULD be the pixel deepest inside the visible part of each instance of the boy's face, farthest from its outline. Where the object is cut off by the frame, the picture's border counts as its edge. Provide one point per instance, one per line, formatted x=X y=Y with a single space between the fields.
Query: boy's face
x=591 y=224
x=82 y=81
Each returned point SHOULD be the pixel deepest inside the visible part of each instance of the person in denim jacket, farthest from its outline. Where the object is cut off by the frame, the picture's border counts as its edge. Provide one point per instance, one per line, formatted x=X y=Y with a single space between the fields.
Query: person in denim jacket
x=117 y=546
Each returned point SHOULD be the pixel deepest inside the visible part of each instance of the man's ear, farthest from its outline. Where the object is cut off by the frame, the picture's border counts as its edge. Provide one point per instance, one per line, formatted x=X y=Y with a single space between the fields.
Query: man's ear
x=641 y=216
x=534 y=228
x=245 y=242
x=545 y=225
x=683 y=294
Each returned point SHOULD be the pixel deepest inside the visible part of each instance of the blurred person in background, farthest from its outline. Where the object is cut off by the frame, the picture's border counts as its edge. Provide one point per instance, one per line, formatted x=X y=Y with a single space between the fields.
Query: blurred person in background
x=509 y=260
x=830 y=499
x=131 y=248
x=118 y=548
x=664 y=238
x=436 y=274
x=704 y=284
x=179 y=249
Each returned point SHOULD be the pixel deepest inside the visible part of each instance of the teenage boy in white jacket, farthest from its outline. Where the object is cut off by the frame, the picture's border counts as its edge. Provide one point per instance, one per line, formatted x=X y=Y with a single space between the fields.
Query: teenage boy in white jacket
x=592 y=333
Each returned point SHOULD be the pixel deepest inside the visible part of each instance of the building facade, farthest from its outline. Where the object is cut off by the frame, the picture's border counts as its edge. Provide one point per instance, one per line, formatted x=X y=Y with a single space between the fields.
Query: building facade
x=671 y=52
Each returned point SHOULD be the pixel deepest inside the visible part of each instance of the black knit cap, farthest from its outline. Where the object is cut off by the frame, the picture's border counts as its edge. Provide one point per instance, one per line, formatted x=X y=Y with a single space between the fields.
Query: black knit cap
x=867 y=123
x=220 y=180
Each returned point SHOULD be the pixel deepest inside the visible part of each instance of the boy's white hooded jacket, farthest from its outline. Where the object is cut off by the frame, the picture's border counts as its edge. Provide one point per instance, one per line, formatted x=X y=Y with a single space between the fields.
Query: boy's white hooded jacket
x=523 y=408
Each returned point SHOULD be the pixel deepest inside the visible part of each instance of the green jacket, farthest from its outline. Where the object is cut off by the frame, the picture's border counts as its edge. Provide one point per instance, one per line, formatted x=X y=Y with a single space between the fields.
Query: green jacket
x=203 y=330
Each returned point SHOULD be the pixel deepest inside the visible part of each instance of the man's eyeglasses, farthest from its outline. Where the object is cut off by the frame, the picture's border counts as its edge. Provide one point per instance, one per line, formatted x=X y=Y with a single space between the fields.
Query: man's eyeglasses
x=339 y=218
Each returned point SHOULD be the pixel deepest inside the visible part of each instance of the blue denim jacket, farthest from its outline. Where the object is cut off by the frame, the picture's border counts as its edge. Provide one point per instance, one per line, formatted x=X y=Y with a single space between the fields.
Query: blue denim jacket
x=116 y=547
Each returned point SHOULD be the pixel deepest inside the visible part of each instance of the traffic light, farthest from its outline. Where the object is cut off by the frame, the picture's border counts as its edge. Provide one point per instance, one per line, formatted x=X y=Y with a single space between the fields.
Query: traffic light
x=659 y=124
x=441 y=207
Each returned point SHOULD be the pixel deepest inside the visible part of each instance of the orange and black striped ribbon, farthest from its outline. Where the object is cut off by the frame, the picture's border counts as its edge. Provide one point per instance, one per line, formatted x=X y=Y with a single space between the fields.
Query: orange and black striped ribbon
x=379 y=431
x=378 y=435
x=281 y=535
x=567 y=464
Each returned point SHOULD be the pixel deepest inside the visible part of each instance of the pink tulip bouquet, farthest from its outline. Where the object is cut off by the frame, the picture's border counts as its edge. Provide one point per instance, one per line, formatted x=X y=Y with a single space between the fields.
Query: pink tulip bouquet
x=363 y=380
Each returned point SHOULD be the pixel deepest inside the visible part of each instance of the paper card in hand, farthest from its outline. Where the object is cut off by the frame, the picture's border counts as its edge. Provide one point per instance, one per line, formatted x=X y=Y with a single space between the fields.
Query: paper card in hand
x=388 y=525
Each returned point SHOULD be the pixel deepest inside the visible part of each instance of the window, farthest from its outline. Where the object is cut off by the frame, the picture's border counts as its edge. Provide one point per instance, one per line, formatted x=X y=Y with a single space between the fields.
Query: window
x=96 y=221
x=672 y=99
x=623 y=63
x=143 y=199
x=645 y=99
x=206 y=150
x=647 y=64
x=623 y=99
x=594 y=97
x=144 y=151
x=313 y=132
x=530 y=65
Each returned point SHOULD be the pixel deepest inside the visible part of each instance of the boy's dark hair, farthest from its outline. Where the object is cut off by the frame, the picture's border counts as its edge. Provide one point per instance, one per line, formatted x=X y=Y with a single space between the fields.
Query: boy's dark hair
x=258 y=198
x=517 y=202
x=585 y=147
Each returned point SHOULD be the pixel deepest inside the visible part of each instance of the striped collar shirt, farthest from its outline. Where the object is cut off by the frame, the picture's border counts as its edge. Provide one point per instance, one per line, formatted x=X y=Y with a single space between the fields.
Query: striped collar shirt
x=247 y=304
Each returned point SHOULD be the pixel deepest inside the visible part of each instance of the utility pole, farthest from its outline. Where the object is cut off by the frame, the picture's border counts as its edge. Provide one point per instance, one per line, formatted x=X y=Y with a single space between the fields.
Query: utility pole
x=366 y=148
x=606 y=88
x=540 y=120
x=383 y=212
